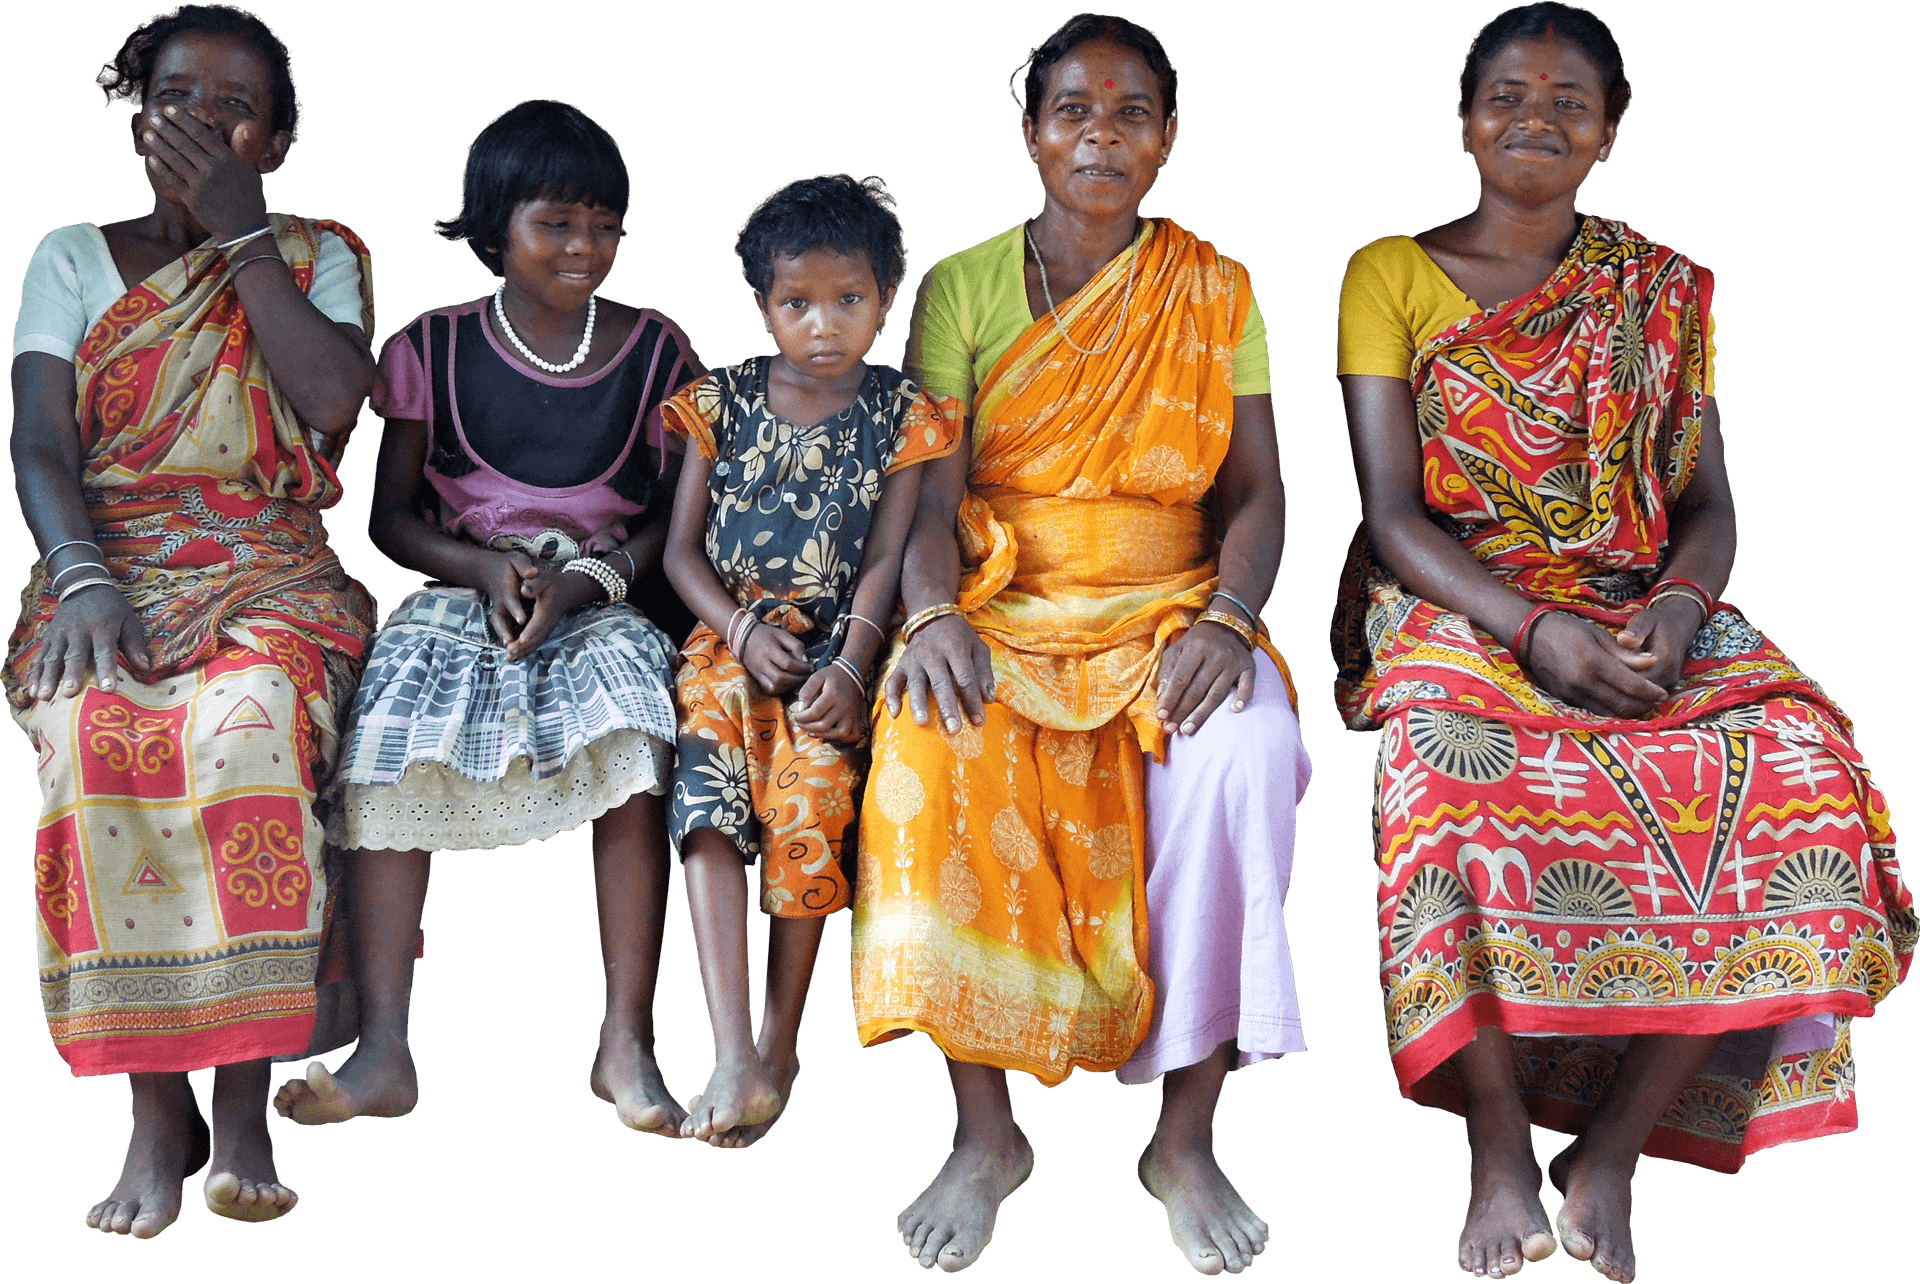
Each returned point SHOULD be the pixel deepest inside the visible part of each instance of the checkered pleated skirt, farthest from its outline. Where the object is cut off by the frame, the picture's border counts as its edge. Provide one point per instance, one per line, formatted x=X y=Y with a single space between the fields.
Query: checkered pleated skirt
x=450 y=745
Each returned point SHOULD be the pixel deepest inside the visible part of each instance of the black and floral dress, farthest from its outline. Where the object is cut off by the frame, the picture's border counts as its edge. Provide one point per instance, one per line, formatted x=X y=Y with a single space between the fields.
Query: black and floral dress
x=790 y=507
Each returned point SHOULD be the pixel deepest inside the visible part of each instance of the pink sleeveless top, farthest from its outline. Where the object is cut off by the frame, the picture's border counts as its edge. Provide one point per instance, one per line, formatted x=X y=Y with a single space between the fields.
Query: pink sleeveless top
x=517 y=452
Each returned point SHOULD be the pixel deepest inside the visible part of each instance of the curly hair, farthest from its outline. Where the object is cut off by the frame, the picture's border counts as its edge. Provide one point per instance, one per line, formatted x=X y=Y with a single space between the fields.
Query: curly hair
x=540 y=150
x=132 y=68
x=1085 y=29
x=1550 y=21
x=835 y=211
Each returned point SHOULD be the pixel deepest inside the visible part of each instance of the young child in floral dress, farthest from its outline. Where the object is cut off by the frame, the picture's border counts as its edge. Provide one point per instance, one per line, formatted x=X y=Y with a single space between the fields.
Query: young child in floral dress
x=794 y=503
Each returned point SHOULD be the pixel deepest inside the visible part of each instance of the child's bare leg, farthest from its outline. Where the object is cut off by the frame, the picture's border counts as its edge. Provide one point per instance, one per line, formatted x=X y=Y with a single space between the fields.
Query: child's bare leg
x=630 y=873
x=742 y=1090
x=1595 y=1173
x=792 y=946
x=1506 y=1223
x=952 y=1221
x=169 y=1144
x=386 y=890
x=1210 y=1222
x=242 y=1182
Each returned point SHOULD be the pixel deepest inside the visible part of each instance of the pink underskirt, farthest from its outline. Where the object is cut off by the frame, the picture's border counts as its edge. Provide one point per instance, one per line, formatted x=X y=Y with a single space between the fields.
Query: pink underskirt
x=1219 y=857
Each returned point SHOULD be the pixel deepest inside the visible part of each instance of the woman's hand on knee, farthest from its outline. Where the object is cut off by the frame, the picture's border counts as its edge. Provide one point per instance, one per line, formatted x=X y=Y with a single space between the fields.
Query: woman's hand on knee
x=91 y=629
x=948 y=659
x=1202 y=668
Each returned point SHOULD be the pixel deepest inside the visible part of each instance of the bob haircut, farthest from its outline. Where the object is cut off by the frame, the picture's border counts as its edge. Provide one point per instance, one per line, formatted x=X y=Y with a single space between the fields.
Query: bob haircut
x=836 y=212
x=538 y=151
x=1550 y=21
x=132 y=68
x=1091 y=28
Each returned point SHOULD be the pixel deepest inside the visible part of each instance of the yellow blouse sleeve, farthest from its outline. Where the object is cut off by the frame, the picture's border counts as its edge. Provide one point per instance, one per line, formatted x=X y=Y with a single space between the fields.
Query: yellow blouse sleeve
x=1376 y=332
x=939 y=358
x=1250 y=369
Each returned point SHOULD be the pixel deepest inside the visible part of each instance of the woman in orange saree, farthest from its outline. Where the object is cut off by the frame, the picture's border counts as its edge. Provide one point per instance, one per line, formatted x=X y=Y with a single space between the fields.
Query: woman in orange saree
x=187 y=637
x=1635 y=880
x=1074 y=868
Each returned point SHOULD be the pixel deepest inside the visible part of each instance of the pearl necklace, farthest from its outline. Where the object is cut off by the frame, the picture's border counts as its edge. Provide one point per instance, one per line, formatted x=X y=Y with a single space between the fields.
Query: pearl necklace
x=506 y=328
x=1046 y=291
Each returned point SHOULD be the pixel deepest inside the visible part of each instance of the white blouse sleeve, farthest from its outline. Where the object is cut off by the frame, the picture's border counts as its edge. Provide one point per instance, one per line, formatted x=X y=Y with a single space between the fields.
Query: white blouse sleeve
x=336 y=281
x=53 y=315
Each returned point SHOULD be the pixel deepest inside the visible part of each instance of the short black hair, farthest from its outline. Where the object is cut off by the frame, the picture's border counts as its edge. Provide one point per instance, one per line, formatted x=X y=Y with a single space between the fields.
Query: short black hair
x=127 y=75
x=538 y=151
x=1086 y=29
x=836 y=212
x=1550 y=21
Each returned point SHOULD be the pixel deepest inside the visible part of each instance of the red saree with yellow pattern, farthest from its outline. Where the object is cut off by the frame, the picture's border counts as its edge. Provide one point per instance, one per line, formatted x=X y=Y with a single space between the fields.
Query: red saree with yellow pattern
x=1723 y=865
x=178 y=872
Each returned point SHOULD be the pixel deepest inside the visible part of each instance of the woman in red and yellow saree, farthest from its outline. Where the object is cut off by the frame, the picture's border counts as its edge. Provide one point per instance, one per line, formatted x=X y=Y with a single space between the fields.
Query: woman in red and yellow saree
x=1073 y=868
x=1635 y=880
x=187 y=638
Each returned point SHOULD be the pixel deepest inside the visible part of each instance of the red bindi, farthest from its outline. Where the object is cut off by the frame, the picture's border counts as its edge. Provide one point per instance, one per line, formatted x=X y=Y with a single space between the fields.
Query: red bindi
x=1109 y=84
x=1543 y=75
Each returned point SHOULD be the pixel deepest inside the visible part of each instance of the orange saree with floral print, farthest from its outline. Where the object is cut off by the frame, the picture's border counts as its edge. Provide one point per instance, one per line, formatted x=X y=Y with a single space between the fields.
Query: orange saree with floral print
x=178 y=873
x=1000 y=903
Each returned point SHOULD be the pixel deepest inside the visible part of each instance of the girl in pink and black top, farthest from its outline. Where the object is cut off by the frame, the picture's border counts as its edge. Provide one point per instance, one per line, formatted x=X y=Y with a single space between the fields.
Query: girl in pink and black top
x=520 y=693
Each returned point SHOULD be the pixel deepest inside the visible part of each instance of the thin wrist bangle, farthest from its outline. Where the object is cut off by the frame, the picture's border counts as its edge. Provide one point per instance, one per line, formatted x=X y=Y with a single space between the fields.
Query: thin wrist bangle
x=77 y=585
x=1675 y=582
x=880 y=632
x=846 y=666
x=243 y=238
x=1685 y=594
x=1522 y=635
x=48 y=555
x=103 y=567
x=235 y=269
x=633 y=567
x=1232 y=623
x=1253 y=616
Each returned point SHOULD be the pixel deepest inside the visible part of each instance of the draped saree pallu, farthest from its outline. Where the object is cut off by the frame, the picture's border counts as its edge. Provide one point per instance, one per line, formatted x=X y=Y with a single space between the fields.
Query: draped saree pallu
x=1723 y=865
x=178 y=873
x=1000 y=902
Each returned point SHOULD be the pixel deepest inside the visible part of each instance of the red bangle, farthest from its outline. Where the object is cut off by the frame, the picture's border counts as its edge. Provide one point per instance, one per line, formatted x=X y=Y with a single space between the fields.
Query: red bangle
x=1707 y=602
x=1520 y=635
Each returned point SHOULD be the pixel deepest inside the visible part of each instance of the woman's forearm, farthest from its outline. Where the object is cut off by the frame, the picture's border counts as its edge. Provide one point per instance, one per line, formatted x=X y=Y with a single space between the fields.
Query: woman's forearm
x=930 y=567
x=1437 y=567
x=1702 y=534
x=45 y=448
x=324 y=369
x=413 y=542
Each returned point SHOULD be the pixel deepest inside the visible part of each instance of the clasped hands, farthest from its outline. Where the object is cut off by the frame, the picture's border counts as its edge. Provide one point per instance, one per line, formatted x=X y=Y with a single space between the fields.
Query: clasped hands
x=512 y=580
x=1621 y=674
x=830 y=704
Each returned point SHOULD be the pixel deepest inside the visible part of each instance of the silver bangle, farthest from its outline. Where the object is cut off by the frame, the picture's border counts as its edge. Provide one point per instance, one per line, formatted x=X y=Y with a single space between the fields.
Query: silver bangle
x=633 y=567
x=239 y=241
x=67 y=570
x=870 y=624
x=605 y=576
x=77 y=585
x=1253 y=616
x=845 y=665
x=68 y=544
x=235 y=269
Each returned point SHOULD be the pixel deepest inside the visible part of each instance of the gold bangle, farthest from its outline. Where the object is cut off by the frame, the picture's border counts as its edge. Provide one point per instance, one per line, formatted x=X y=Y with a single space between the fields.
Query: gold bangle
x=1680 y=592
x=921 y=619
x=1241 y=629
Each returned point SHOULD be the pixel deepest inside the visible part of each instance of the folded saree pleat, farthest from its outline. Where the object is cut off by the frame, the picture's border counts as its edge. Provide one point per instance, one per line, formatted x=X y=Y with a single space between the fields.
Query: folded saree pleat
x=179 y=872
x=1721 y=866
x=1000 y=903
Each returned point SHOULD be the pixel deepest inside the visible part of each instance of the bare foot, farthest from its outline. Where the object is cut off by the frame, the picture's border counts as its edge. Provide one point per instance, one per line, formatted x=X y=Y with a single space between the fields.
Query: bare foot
x=169 y=1144
x=952 y=1221
x=745 y=1135
x=1506 y=1223
x=376 y=1080
x=1595 y=1218
x=740 y=1092
x=626 y=1074
x=1210 y=1222
x=242 y=1182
